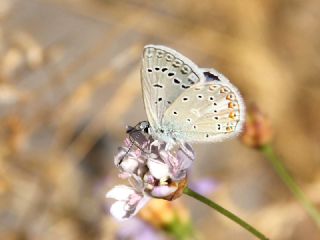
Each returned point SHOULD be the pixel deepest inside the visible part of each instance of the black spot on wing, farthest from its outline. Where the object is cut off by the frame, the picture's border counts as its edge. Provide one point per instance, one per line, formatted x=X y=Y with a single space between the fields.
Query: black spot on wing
x=176 y=81
x=158 y=85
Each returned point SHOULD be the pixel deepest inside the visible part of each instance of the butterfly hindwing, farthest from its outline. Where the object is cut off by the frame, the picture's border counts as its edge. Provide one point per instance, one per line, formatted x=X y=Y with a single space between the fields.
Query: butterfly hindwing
x=165 y=75
x=206 y=112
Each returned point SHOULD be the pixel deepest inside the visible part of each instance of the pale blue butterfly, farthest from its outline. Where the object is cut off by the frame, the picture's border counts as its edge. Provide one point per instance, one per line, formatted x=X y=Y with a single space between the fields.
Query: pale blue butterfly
x=185 y=103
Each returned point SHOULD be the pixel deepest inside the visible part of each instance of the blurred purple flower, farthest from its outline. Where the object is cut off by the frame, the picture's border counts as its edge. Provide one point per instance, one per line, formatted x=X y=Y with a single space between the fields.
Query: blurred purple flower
x=136 y=229
x=204 y=186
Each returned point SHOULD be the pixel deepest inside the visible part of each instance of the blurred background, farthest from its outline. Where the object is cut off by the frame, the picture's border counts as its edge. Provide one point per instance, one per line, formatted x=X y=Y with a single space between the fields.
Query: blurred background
x=69 y=84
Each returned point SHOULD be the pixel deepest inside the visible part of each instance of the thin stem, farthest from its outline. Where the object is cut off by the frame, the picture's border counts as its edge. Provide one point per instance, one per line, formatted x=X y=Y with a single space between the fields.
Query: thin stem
x=224 y=212
x=288 y=180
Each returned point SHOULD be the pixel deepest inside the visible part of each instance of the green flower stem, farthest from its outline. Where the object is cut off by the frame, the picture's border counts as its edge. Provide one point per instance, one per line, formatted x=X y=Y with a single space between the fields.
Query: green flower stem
x=180 y=230
x=224 y=212
x=288 y=180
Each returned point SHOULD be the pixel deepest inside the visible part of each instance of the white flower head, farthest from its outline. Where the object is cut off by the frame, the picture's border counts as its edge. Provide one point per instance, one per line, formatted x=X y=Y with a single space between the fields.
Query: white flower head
x=152 y=171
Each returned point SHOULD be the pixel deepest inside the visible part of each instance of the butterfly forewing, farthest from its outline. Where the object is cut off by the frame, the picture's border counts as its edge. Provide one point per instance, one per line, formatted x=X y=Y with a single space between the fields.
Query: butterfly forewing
x=165 y=75
x=206 y=112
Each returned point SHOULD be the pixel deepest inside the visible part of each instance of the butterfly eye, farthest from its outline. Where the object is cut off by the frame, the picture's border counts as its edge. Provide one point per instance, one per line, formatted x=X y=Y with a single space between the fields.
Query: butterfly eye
x=169 y=57
x=177 y=63
x=185 y=69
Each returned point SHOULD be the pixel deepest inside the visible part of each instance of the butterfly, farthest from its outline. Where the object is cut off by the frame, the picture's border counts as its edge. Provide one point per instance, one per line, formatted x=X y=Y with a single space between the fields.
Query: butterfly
x=185 y=103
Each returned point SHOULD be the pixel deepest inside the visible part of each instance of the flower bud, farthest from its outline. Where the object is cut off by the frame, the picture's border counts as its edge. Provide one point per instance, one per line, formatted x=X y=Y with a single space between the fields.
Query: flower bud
x=257 y=129
x=179 y=189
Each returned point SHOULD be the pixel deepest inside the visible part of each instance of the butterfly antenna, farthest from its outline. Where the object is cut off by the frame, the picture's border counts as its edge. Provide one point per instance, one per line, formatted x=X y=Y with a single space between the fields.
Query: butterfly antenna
x=127 y=152
x=130 y=131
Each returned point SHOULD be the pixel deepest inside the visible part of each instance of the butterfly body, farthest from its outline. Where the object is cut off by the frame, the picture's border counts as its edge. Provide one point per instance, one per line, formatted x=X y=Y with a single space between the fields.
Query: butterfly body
x=185 y=103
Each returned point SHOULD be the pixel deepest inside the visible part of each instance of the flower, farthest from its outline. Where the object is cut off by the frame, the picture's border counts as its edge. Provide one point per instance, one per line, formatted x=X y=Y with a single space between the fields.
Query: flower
x=152 y=171
x=204 y=186
x=129 y=201
x=136 y=229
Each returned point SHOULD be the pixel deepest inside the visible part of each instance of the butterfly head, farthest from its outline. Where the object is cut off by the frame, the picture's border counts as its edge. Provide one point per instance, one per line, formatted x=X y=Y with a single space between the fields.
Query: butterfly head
x=139 y=135
x=144 y=126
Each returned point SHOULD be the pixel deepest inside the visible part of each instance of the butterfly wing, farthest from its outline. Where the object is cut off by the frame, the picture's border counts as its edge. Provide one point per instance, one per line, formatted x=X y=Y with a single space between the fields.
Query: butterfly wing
x=165 y=75
x=206 y=112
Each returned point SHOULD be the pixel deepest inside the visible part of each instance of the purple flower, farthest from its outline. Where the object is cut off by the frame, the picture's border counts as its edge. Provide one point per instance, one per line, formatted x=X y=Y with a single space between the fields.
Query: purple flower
x=152 y=171
x=136 y=229
x=204 y=186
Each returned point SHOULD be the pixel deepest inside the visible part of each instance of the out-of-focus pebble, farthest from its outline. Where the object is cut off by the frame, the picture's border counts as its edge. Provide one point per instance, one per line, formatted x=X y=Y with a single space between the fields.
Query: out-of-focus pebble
x=30 y=47
x=8 y=94
x=10 y=62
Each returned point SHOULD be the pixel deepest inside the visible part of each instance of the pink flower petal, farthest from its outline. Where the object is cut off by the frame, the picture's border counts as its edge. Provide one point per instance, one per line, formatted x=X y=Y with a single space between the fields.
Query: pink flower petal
x=163 y=191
